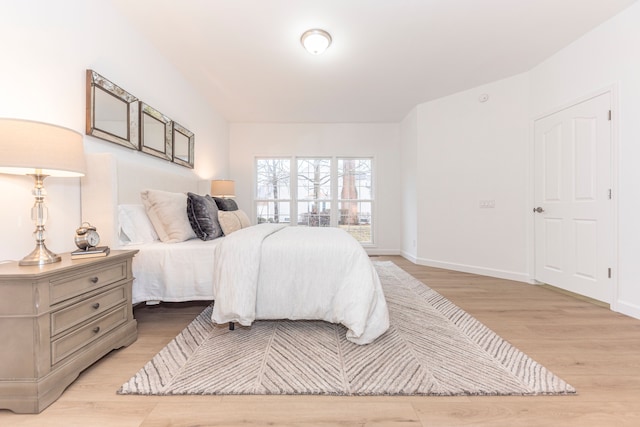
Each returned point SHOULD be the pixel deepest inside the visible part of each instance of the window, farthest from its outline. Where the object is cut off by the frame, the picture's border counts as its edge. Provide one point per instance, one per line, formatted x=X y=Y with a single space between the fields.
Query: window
x=319 y=192
x=355 y=197
x=273 y=190
x=314 y=192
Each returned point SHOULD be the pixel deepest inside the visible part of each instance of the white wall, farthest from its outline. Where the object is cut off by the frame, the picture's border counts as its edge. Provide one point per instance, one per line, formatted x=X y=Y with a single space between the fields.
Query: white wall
x=379 y=140
x=606 y=56
x=467 y=152
x=409 y=177
x=46 y=48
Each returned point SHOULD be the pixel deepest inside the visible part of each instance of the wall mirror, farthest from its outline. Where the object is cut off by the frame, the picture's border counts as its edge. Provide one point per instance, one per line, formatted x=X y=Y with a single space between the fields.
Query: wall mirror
x=112 y=112
x=155 y=132
x=183 y=146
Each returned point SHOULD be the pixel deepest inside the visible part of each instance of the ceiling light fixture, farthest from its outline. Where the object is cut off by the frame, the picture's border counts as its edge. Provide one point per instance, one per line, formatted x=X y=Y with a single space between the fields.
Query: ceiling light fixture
x=315 y=41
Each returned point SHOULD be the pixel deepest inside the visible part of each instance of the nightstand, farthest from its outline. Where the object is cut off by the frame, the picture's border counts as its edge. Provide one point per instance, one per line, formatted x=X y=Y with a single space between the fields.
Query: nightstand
x=58 y=319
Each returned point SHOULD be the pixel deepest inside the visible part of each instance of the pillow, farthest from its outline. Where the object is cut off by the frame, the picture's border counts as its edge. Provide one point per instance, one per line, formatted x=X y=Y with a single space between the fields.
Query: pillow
x=168 y=214
x=226 y=204
x=202 y=212
x=231 y=221
x=134 y=226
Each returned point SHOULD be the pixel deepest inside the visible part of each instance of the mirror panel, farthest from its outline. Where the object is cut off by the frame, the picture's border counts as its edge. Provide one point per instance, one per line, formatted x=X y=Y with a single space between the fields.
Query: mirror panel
x=183 y=146
x=155 y=132
x=115 y=115
x=112 y=112
x=112 y=115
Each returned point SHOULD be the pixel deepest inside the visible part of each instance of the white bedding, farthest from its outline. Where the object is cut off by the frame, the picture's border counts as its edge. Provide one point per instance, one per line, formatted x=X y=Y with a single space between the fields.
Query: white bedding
x=271 y=271
x=174 y=272
x=326 y=281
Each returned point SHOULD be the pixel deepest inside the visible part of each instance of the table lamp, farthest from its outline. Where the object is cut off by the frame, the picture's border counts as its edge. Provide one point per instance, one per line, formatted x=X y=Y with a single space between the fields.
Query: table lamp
x=40 y=150
x=223 y=188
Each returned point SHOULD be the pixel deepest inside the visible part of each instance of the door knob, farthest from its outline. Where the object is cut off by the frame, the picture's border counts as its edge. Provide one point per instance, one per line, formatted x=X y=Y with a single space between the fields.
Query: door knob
x=538 y=209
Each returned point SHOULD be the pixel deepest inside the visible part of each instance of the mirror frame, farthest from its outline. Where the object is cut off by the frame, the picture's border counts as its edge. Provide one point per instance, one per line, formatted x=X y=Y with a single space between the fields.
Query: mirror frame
x=168 y=132
x=97 y=82
x=177 y=128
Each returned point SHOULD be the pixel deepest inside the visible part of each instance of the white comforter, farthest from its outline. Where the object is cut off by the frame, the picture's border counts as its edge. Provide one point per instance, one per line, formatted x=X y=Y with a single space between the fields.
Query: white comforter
x=272 y=271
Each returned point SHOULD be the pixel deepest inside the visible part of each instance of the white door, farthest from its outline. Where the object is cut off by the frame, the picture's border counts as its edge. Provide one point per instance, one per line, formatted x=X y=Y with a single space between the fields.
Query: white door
x=573 y=208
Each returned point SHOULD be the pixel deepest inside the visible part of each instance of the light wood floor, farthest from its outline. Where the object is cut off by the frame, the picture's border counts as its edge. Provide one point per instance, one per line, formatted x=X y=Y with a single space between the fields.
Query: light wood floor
x=592 y=348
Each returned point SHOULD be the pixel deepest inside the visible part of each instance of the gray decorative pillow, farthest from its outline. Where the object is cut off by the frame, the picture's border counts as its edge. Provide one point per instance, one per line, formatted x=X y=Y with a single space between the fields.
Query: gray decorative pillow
x=202 y=212
x=226 y=204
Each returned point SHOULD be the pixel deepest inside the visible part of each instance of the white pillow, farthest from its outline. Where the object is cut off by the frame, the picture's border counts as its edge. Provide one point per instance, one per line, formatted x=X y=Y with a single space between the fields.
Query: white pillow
x=168 y=214
x=231 y=221
x=135 y=228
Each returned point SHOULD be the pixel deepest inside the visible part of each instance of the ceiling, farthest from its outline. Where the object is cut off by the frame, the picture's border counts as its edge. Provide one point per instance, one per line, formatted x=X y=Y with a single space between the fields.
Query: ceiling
x=387 y=56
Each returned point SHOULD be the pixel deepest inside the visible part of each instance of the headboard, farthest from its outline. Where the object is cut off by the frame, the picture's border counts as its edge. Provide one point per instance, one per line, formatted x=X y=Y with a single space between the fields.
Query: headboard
x=111 y=181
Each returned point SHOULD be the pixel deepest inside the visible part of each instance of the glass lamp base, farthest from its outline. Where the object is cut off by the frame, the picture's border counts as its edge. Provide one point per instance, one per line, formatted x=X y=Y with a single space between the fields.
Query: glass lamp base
x=40 y=256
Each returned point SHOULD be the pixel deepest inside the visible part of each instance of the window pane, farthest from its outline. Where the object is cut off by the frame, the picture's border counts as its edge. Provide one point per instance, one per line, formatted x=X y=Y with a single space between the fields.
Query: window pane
x=314 y=179
x=354 y=179
x=355 y=217
x=314 y=214
x=273 y=178
x=276 y=212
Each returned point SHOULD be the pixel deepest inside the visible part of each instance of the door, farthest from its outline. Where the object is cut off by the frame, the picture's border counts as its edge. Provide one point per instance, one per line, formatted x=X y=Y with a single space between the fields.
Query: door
x=572 y=190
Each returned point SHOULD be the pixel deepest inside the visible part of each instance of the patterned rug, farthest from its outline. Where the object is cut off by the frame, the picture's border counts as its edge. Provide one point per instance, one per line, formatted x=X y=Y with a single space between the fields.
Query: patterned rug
x=432 y=348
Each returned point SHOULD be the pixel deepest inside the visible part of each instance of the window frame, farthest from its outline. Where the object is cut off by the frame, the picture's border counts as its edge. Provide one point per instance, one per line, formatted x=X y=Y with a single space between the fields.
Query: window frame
x=334 y=200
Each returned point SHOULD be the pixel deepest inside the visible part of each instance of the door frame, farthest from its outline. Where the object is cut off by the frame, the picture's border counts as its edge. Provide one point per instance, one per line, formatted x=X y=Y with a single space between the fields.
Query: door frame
x=612 y=90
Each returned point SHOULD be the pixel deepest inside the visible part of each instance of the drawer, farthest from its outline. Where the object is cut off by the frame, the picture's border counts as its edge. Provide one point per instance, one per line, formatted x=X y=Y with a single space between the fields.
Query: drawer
x=70 y=286
x=82 y=311
x=76 y=341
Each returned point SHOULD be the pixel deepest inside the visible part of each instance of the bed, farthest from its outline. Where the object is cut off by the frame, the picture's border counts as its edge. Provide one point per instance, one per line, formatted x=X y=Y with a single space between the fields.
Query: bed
x=266 y=271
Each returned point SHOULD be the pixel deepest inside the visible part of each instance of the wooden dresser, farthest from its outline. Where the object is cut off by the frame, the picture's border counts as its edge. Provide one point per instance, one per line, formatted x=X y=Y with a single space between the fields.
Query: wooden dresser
x=58 y=319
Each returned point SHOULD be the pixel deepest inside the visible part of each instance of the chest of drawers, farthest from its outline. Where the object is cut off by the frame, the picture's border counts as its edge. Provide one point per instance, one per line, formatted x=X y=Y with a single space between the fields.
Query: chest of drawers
x=58 y=319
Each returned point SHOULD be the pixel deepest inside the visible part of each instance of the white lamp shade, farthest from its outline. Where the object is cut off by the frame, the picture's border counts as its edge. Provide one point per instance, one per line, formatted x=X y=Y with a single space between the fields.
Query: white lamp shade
x=316 y=41
x=28 y=147
x=223 y=188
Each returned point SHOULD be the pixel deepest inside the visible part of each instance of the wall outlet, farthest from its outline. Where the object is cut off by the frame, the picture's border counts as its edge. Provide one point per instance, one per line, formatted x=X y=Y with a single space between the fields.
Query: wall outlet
x=487 y=204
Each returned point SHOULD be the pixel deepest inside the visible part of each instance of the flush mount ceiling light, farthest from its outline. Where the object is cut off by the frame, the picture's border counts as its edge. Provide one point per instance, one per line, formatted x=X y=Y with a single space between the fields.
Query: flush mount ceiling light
x=315 y=41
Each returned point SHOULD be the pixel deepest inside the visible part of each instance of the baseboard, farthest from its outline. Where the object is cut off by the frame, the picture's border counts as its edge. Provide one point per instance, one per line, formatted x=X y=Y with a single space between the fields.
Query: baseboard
x=375 y=251
x=626 y=308
x=482 y=271
x=411 y=257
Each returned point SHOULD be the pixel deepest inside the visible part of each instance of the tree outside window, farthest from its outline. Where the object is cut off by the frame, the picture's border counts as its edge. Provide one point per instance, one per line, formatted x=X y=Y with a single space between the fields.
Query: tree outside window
x=314 y=192
x=356 y=197
x=323 y=192
x=273 y=192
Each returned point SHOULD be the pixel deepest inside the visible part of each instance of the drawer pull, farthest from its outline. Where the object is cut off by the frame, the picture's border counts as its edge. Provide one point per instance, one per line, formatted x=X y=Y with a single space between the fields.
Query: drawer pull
x=96 y=329
x=96 y=305
x=94 y=279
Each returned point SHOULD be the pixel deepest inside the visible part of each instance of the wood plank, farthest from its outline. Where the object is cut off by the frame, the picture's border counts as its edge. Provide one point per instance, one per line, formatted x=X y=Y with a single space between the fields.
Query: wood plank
x=298 y=412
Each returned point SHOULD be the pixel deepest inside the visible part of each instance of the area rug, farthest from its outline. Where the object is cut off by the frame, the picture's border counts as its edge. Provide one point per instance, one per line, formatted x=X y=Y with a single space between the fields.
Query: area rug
x=431 y=348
